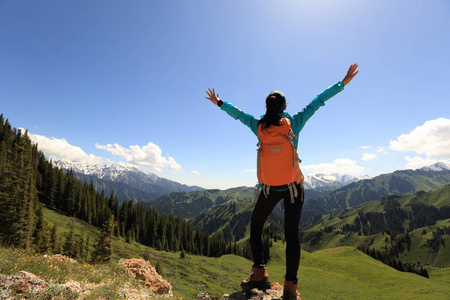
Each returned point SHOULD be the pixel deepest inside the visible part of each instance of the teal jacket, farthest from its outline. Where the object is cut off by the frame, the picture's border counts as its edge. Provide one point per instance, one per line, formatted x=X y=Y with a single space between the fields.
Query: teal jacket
x=298 y=120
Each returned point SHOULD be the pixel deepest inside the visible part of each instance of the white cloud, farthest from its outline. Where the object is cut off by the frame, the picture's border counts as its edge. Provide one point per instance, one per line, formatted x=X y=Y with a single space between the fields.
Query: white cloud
x=157 y=170
x=172 y=164
x=432 y=139
x=340 y=166
x=364 y=147
x=382 y=150
x=369 y=156
x=250 y=170
x=61 y=149
x=195 y=173
x=149 y=155
x=418 y=162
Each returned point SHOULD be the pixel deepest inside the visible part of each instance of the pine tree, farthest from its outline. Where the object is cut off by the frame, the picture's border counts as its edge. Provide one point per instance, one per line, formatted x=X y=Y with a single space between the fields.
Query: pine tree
x=41 y=234
x=70 y=246
x=54 y=244
x=81 y=246
x=18 y=194
x=86 y=246
x=104 y=248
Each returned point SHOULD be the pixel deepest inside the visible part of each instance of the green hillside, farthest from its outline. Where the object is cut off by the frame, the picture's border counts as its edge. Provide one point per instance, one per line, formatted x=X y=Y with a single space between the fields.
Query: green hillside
x=397 y=183
x=346 y=273
x=414 y=228
x=190 y=204
x=212 y=209
x=338 y=273
x=349 y=273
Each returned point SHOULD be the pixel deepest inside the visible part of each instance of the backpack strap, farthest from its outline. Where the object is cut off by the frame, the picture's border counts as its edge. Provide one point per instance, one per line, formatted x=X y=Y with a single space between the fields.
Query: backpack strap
x=258 y=162
x=265 y=190
x=290 y=136
x=292 y=191
x=258 y=186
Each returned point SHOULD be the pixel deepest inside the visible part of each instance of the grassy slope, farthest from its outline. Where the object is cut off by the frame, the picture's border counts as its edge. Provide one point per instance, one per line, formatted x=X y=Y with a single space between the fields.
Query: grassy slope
x=345 y=273
x=189 y=276
x=418 y=253
x=337 y=273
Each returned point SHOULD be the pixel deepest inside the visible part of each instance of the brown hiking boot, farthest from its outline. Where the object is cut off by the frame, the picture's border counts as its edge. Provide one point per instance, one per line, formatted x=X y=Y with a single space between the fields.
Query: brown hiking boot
x=258 y=280
x=290 y=291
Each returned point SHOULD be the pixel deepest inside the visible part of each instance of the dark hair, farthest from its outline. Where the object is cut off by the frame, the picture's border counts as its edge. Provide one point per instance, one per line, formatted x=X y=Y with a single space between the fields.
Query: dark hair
x=275 y=104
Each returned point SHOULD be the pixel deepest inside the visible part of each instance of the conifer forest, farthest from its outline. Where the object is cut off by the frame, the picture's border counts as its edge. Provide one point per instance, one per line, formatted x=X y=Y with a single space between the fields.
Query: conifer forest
x=29 y=182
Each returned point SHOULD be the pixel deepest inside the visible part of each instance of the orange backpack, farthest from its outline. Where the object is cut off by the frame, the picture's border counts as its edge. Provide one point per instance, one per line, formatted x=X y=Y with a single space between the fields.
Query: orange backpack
x=278 y=161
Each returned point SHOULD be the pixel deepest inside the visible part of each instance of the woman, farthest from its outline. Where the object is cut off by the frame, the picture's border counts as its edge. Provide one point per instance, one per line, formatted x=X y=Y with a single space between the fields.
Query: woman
x=276 y=116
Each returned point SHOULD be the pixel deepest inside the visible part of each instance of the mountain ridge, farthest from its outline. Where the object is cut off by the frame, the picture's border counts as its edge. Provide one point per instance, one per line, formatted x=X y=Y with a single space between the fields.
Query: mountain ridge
x=127 y=182
x=319 y=180
x=219 y=212
x=400 y=182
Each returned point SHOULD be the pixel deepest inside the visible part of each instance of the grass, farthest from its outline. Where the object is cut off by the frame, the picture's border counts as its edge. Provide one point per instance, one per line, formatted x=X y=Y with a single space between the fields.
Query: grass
x=336 y=273
x=195 y=274
x=345 y=273
x=107 y=277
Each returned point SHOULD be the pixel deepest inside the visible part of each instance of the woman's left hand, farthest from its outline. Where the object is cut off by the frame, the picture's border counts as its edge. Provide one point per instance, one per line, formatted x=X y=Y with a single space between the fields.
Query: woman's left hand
x=350 y=74
x=212 y=96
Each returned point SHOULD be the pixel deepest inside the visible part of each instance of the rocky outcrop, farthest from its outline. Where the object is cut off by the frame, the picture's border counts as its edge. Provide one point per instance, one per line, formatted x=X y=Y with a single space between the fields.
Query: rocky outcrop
x=275 y=293
x=61 y=258
x=147 y=275
x=23 y=282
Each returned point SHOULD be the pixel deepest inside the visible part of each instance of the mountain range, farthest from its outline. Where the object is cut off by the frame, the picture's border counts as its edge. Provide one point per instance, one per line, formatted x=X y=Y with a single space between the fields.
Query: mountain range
x=400 y=182
x=317 y=181
x=127 y=182
x=133 y=183
x=227 y=212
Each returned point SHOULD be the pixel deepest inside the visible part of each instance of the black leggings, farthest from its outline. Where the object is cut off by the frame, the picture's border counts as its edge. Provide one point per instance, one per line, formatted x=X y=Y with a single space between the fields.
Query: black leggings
x=292 y=212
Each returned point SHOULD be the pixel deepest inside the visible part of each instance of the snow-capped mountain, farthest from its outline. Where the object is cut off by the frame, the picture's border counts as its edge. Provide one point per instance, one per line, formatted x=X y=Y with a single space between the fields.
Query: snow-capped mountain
x=127 y=182
x=111 y=172
x=330 y=180
x=439 y=166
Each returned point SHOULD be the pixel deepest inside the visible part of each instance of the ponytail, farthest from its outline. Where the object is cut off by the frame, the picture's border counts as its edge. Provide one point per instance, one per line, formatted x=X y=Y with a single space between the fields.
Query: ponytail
x=275 y=104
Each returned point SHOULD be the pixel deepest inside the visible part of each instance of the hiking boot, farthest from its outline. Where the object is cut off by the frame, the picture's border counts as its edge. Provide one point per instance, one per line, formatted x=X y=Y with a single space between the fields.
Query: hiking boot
x=258 y=280
x=290 y=290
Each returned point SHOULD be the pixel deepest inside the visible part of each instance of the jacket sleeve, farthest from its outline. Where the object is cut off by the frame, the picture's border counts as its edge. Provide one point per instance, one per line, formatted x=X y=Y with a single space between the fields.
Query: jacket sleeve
x=300 y=118
x=237 y=114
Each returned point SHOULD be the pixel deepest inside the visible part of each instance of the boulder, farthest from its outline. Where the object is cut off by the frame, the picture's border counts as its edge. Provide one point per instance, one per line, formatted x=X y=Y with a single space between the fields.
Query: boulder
x=23 y=282
x=275 y=293
x=147 y=275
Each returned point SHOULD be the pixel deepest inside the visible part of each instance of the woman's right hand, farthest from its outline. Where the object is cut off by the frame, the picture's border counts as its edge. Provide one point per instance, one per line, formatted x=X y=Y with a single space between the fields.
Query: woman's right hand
x=212 y=96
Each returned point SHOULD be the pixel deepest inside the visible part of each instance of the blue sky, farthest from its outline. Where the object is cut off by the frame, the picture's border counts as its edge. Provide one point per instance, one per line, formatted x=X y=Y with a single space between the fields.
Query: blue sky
x=124 y=82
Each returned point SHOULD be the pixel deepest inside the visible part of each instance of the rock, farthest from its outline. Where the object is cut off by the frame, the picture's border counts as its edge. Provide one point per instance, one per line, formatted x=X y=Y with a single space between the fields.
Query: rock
x=62 y=258
x=74 y=286
x=275 y=293
x=23 y=282
x=203 y=296
x=133 y=294
x=146 y=273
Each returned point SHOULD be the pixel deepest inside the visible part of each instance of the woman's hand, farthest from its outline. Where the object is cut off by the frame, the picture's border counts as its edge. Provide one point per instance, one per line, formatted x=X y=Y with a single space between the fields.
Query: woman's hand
x=350 y=74
x=212 y=96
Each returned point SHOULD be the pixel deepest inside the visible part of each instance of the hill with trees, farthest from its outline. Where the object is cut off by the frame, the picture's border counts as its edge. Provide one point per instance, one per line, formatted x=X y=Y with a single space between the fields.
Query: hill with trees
x=401 y=182
x=29 y=183
x=411 y=229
